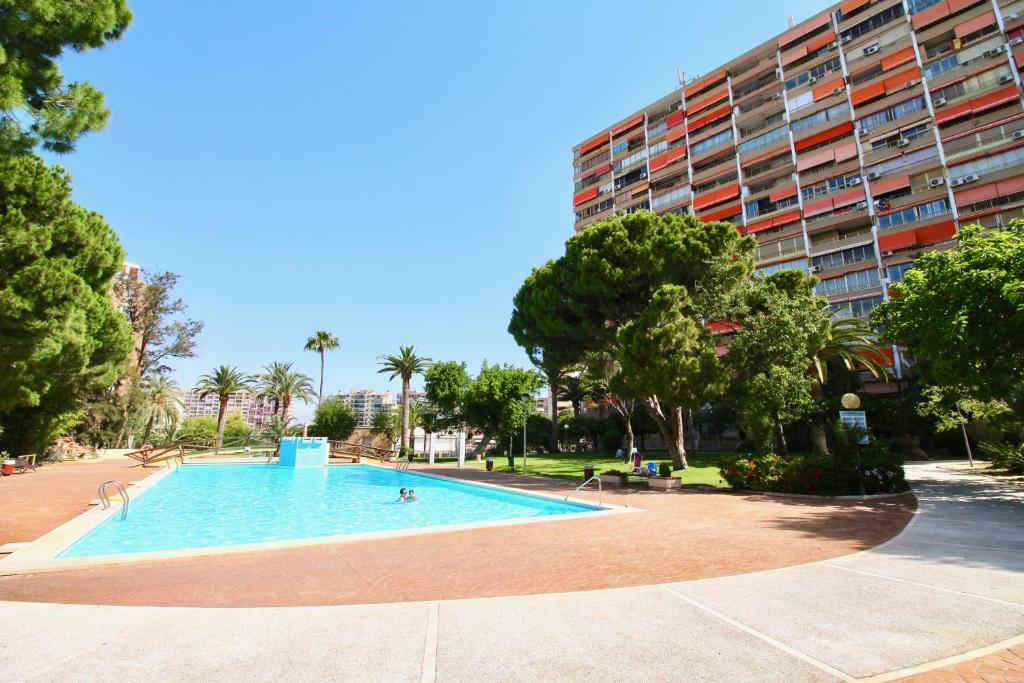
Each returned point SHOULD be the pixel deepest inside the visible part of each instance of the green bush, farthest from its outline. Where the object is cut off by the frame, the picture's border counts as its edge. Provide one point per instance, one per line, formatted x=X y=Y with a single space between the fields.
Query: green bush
x=828 y=475
x=1005 y=456
x=664 y=469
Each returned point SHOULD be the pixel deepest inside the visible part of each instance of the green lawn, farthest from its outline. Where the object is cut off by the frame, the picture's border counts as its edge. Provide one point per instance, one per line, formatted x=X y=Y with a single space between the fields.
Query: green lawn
x=703 y=466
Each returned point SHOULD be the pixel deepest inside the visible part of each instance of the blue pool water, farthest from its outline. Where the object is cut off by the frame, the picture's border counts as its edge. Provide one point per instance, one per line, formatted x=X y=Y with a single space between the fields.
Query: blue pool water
x=199 y=506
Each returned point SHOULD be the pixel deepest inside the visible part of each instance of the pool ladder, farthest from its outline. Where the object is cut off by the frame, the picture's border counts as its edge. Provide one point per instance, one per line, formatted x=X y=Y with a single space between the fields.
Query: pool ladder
x=105 y=499
x=599 y=491
x=402 y=465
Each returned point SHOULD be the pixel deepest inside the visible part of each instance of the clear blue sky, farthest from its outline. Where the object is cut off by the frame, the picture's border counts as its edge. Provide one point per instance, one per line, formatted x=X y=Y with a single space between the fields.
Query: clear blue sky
x=386 y=171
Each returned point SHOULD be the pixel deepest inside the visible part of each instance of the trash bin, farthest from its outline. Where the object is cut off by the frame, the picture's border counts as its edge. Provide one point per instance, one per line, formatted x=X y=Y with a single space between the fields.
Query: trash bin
x=490 y=464
x=8 y=468
x=511 y=463
x=588 y=471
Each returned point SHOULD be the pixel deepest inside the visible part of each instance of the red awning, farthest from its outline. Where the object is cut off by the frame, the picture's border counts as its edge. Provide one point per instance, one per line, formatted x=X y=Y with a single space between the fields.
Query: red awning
x=929 y=16
x=675 y=134
x=847 y=150
x=782 y=192
x=994 y=99
x=889 y=184
x=674 y=119
x=585 y=196
x=818 y=206
x=976 y=194
x=938 y=232
x=824 y=136
x=897 y=240
x=900 y=80
x=847 y=198
x=719 y=214
x=1011 y=186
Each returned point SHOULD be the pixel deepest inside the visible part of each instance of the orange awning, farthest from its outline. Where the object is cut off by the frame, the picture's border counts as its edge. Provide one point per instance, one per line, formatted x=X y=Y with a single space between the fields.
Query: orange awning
x=827 y=89
x=897 y=58
x=594 y=143
x=851 y=5
x=818 y=206
x=675 y=134
x=821 y=41
x=847 y=150
x=674 y=119
x=868 y=92
x=796 y=53
x=1011 y=186
x=847 y=198
x=628 y=125
x=816 y=159
x=899 y=81
x=994 y=99
x=719 y=214
x=929 y=16
x=782 y=192
x=975 y=24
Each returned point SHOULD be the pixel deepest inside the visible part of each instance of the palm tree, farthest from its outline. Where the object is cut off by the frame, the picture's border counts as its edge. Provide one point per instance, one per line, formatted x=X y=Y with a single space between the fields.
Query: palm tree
x=223 y=381
x=850 y=342
x=404 y=365
x=322 y=342
x=573 y=389
x=281 y=383
x=161 y=402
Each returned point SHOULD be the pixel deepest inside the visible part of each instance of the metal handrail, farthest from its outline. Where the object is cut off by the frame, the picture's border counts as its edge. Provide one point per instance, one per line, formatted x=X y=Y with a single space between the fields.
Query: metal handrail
x=599 y=489
x=105 y=499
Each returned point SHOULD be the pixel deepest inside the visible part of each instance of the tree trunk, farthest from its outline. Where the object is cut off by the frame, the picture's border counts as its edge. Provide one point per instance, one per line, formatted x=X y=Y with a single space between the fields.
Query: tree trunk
x=149 y=427
x=405 y=415
x=222 y=418
x=818 y=439
x=322 y=360
x=629 y=434
x=286 y=403
x=781 y=434
x=553 y=389
x=672 y=430
x=484 y=443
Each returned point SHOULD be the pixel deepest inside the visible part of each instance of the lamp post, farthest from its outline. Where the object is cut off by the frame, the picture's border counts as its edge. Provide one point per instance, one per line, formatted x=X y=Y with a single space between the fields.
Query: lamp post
x=565 y=435
x=851 y=401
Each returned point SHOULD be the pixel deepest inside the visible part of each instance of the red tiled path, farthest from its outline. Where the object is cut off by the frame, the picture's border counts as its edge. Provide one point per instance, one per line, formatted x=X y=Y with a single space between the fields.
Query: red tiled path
x=36 y=502
x=1005 y=666
x=678 y=536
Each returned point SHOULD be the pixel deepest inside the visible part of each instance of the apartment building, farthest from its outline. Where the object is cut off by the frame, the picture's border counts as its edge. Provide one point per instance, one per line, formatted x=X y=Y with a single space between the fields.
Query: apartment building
x=366 y=403
x=257 y=411
x=847 y=146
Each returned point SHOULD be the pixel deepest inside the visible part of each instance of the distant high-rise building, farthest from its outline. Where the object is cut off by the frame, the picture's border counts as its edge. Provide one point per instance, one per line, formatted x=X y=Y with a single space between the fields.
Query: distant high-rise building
x=366 y=403
x=255 y=410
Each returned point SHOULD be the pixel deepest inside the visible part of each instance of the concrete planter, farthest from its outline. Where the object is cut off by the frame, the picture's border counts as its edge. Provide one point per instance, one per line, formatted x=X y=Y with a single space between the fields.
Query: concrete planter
x=612 y=479
x=664 y=483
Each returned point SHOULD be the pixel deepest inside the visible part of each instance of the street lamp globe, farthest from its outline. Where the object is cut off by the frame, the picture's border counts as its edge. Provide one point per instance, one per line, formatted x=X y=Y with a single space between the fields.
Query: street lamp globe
x=850 y=401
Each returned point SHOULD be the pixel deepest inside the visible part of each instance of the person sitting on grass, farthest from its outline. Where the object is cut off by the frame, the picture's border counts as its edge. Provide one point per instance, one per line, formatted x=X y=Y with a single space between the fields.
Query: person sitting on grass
x=411 y=497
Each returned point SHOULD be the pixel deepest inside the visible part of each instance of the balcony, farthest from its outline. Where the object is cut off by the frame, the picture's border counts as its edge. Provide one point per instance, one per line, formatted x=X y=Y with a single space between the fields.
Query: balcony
x=832 y=221
x=842 y=241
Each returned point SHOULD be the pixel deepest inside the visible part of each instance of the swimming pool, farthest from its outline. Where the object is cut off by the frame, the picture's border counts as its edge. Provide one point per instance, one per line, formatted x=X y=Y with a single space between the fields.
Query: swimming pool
x=200 y=506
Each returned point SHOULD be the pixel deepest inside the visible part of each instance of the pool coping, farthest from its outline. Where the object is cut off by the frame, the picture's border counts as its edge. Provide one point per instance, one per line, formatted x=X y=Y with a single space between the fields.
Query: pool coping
x=42 y=555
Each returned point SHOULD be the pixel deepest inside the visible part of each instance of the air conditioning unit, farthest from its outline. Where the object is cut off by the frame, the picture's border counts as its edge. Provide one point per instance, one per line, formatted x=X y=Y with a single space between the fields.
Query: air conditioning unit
x=1006 y=78
x=970 y=178
x=872 y=49
x=847 y=39
x=859 y=131
x=815 y=269
x=911 y=83
x=643 y=174
x=854 y=181
x=888 y=253
x=874 y=175
x=812 y=79
x=836 y=91
x=939 y=102
x=1013 y=16
x=1018 y=134
x=833 y=45
x=936 y=182
x=861 y=205
x=903 y=142
x=1016 y=41
x=953 y=182
x=994 y=52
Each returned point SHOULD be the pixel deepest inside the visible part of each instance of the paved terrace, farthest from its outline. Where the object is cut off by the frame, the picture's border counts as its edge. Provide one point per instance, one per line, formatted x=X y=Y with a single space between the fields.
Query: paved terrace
x=950 y=585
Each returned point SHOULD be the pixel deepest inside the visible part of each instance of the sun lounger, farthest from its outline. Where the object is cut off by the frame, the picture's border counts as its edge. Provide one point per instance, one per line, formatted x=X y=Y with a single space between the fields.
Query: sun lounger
x=23 y=463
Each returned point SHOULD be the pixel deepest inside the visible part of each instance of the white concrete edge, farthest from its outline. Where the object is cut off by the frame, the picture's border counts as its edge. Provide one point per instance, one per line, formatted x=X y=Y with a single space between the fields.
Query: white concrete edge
x=42 y=555
x=946 y=661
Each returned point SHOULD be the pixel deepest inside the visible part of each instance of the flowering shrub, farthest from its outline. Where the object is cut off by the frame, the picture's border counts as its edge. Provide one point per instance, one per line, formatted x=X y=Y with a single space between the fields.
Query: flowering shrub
x=752 y=472
x=829 y=475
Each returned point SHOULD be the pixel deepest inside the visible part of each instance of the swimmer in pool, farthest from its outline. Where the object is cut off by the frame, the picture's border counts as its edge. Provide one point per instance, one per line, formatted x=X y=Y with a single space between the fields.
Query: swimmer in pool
x=411 y=496
x=402 y=496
